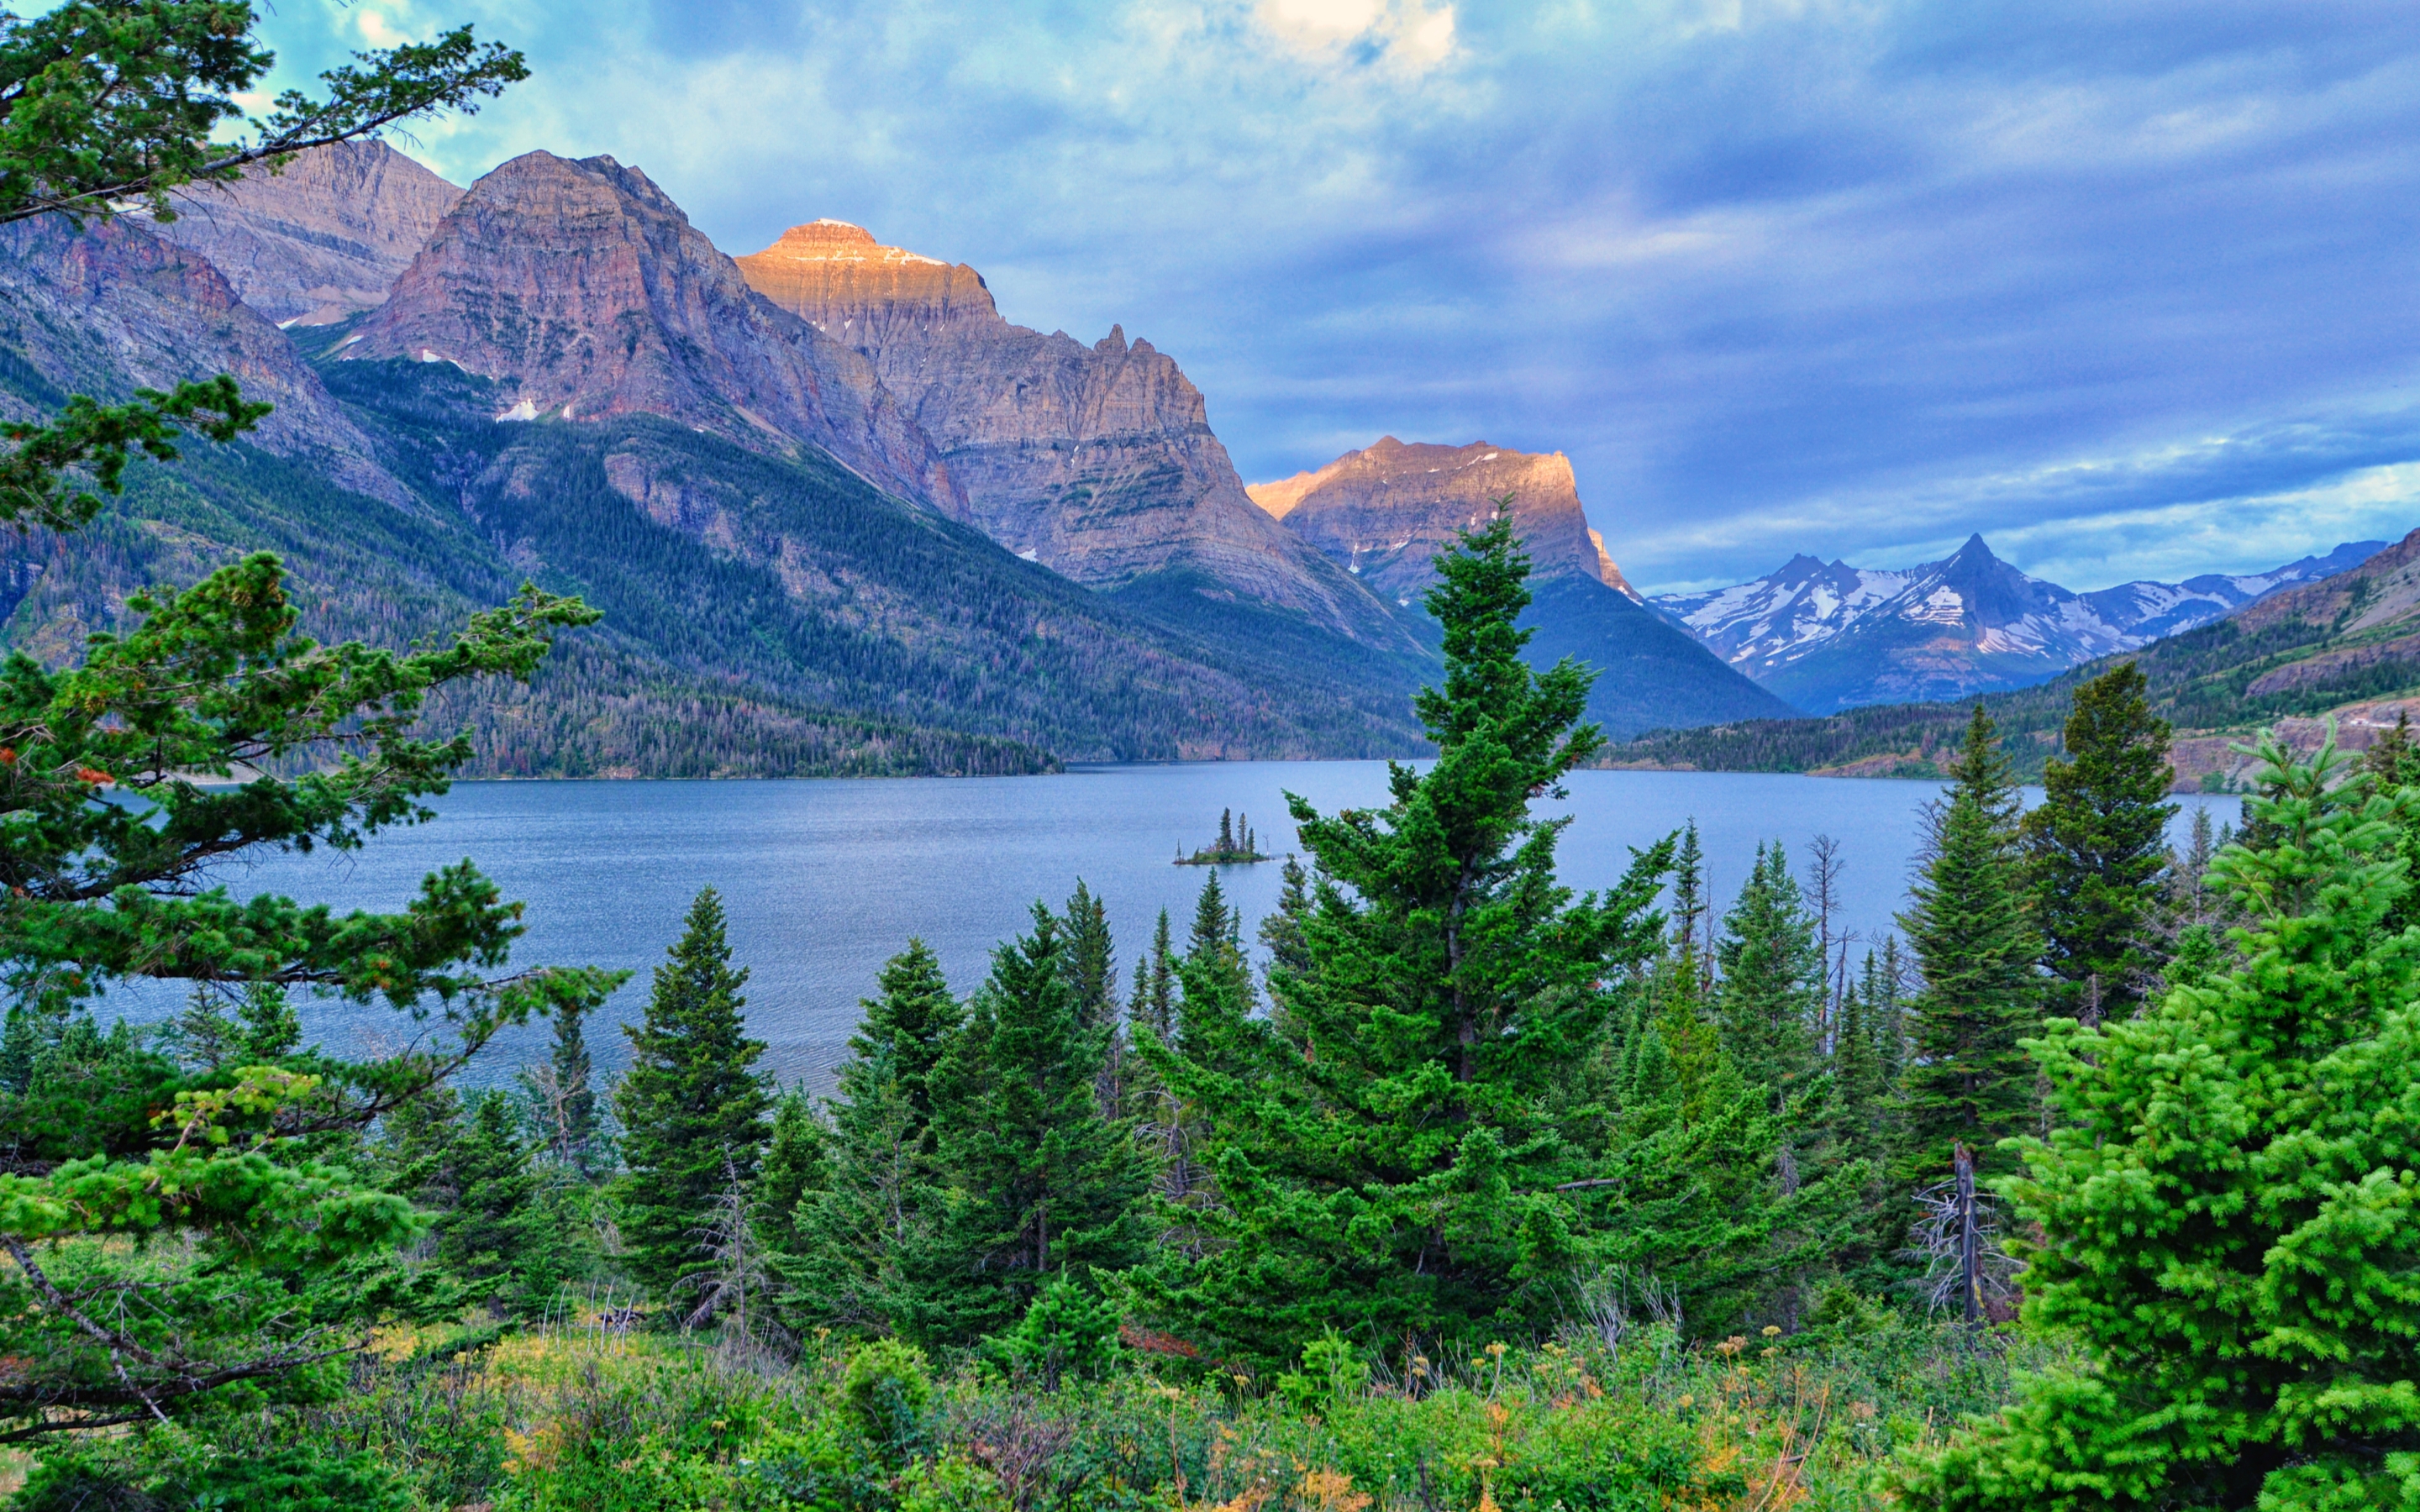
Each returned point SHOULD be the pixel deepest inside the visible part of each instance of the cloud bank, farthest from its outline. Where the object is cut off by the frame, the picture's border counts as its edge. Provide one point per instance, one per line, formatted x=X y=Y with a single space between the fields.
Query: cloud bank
x=2127 y=286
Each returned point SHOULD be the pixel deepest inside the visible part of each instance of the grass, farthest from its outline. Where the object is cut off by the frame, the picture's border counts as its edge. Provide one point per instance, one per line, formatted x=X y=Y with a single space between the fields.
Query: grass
x=578 y=1418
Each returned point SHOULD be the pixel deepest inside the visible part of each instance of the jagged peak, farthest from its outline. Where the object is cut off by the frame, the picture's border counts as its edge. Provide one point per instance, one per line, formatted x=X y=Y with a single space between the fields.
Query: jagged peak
x=1114 y=342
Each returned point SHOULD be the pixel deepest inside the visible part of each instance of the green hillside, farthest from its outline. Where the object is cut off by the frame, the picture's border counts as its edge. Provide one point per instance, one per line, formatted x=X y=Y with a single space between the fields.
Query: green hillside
x=764 y=616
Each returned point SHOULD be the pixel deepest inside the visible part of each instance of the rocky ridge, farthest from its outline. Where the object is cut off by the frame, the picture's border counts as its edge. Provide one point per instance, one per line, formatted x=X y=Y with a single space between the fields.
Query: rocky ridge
x=582 y=290
x=1096 y=461
x=1383 y=511
x=321 y=239
x=112 y=307
x=1831 y=636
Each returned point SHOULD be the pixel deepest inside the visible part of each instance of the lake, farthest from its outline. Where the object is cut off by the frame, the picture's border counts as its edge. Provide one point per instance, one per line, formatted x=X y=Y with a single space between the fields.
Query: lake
x=824 y=880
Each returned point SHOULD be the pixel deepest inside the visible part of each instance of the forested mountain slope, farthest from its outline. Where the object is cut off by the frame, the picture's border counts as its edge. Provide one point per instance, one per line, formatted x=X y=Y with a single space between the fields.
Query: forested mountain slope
x=2348 y=645
x=766 y=614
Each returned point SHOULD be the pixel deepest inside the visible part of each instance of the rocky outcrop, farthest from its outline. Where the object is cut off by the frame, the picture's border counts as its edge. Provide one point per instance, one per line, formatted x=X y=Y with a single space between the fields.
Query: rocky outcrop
x=320 y=240
x=584 y=292
x=1097 y=461
x=1386 y=511
x=112 y=307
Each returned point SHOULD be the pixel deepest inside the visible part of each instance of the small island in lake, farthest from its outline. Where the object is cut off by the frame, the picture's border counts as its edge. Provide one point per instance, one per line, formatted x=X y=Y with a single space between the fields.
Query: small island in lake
x=1235 y=845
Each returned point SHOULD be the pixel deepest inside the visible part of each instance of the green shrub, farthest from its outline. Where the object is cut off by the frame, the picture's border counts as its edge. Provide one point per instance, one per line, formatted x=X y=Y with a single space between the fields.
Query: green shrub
x=1331 y=1370
x=288 y=1480
x=887 y=1387
x=1068 y=1331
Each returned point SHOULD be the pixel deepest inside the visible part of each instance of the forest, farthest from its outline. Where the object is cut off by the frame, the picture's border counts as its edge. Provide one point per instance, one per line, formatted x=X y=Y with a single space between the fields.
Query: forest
x=1439 y=1187
x=2093 y=1187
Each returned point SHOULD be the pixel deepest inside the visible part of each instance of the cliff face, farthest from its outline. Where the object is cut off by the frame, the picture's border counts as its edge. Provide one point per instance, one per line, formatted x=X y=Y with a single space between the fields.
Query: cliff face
x=585 y=292
x=112 y=307
x=324 y=239
x=1386 y=511
x=1097 y=461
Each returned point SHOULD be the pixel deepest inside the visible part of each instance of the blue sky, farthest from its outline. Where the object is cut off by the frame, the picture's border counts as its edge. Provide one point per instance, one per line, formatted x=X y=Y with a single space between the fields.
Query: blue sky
x=2129 y=288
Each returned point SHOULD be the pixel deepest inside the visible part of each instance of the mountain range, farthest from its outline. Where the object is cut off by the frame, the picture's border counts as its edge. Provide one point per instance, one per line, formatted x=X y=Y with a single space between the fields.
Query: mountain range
x=1831 y=637
x=842 y=515
x=2340 y=652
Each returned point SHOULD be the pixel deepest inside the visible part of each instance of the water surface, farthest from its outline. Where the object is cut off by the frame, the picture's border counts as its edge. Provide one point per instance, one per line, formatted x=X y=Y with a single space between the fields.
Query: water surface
x=824 y=880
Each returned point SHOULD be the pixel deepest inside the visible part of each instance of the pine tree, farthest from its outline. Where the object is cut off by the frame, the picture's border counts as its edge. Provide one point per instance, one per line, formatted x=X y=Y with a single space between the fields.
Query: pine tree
x=1970 y=1080
x=874 y=1204
x=1281 y=932
x=693 y=1106
x=1037 y=1183
x=1154 y=994
x=2097 y=846
x=2226 y=1205
x=562 y=1089
x=1092 y=967
x=1226 y=831
x=794 y=1167
x=1391 y=1170
x=1092 y=977
x=1772 y=985
x=491 y=1237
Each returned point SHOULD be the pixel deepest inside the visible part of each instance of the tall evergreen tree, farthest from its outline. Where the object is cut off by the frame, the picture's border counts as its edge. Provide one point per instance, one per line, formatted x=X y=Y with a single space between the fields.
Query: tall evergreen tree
x=494 y=1236
x=796 y=1166
x=2098 y=846
x=1393 y=1168
x=562 y=1089
x=692 y=1105
x=1281 y=932
x=1970 y=1080
x=1036 y=1182
x=1092 y=961
x=1772 y=990
x=2227 y=1206
x=1155 y=991
x=1882 y=982
x=874 y=1203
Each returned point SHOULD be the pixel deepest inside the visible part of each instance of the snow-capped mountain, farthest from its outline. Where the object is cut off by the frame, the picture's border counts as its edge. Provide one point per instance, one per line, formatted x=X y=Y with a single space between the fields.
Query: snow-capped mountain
x=1830 y=636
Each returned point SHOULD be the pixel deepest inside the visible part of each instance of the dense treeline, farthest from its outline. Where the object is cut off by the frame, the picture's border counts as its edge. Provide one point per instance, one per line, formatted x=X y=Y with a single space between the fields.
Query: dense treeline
x=1463 y=1122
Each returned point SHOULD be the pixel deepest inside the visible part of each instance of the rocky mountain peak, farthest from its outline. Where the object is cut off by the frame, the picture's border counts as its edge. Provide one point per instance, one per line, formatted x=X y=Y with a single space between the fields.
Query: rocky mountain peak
x=1097 y=461
x=855 y=290
x=582 y=288
x=1385 y=511
x=320 y=241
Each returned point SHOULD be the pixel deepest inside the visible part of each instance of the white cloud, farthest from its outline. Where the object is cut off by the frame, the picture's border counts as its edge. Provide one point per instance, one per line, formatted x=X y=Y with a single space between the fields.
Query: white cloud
x=1408 y=33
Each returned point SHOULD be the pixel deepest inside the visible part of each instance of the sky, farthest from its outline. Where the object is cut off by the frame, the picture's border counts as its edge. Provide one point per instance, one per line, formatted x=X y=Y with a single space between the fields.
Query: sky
x=2127 y=287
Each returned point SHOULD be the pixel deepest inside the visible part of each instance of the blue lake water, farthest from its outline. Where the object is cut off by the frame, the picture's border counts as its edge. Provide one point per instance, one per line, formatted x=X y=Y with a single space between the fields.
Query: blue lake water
x=825 y=880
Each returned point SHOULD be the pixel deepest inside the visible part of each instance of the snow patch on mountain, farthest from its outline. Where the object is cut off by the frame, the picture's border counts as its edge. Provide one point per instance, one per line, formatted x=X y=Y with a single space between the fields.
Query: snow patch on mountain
x=1842 y=634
